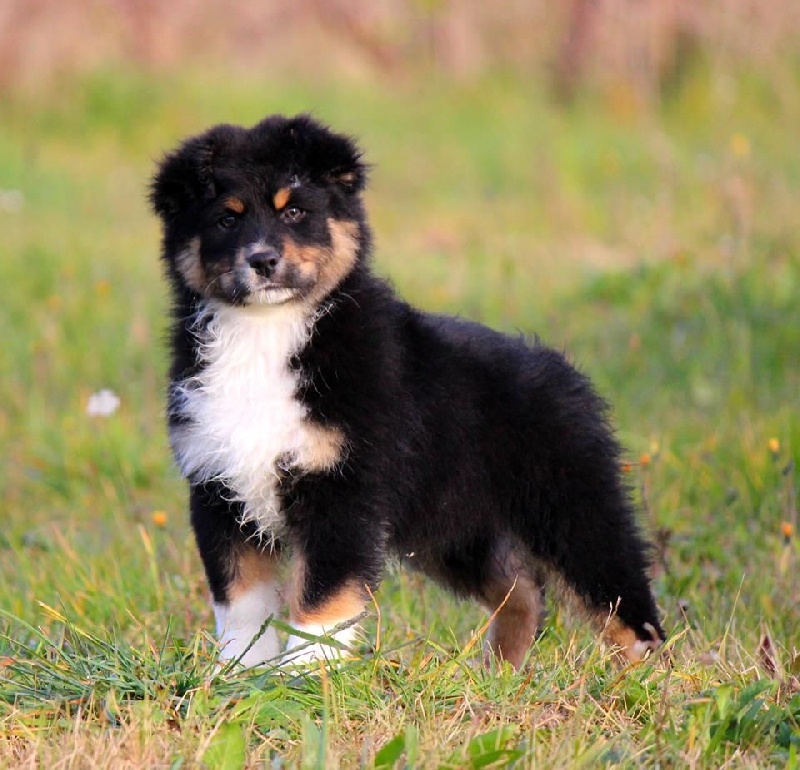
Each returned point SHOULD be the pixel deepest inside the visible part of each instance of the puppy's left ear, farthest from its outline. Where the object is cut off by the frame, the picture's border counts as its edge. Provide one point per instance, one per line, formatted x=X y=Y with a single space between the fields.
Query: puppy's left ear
x=346 y=169
x=325 y=156
x=352 y=177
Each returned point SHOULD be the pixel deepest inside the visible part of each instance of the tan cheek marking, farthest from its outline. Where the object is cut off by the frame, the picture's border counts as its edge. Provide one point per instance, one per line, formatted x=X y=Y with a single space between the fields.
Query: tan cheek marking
x=234 y=204
x=281 y=198
x=305 y=259
x=324 y=448
x=345 y=241
x=340 y=257
x=190 y=267
x=324 y=268
x=344 y=236
x=250 y=568
x=220 y=274
x=300 y=255
x=345 y=604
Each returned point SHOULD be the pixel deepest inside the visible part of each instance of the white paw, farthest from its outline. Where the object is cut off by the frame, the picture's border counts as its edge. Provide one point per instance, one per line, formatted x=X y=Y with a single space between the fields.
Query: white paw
x=240 y=647
x=240 y=628
x=641 y=649
x=301 y=651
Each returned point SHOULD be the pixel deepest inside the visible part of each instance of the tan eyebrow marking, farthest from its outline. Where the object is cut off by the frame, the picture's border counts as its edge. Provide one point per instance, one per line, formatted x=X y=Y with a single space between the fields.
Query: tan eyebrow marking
x=234 y=204
x=281 y=198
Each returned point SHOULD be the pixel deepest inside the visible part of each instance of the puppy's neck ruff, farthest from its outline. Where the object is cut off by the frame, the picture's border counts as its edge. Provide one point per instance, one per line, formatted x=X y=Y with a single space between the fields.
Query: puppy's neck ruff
x=242 y=415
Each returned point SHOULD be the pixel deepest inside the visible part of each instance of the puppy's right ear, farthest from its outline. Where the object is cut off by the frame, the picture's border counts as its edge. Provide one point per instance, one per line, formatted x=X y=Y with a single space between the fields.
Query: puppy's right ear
x=186 y=176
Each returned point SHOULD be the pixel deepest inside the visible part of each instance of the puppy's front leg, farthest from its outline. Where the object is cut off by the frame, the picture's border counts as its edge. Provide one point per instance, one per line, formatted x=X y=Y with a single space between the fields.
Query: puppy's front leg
x=242 y=578
x=332 y=570
x=317 y=609
x=251 y=598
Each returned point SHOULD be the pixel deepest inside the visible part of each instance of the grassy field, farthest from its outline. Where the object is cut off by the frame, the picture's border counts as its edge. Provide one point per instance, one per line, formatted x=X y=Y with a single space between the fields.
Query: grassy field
x=660 y=248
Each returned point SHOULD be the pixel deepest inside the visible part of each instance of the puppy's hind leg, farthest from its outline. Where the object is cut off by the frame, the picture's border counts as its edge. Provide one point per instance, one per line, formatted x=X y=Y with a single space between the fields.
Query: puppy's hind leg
x=596 y=549
x=491 y=569
x=514 y=593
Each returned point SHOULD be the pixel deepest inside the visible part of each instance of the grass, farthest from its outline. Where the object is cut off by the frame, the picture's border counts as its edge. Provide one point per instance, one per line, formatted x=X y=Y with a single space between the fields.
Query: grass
x=659 y=249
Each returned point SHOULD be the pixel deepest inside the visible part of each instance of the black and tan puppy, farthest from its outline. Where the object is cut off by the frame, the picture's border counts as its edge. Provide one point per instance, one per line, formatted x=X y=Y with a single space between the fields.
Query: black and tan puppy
x=320 y=419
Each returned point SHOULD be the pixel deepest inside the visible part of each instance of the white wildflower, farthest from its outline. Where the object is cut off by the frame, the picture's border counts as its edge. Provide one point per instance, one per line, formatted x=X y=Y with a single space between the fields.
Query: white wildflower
x=11 y=201
x=103 y=403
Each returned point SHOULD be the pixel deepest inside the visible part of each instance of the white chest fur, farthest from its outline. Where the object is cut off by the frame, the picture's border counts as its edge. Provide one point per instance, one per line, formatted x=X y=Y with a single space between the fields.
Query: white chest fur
x=242 y=410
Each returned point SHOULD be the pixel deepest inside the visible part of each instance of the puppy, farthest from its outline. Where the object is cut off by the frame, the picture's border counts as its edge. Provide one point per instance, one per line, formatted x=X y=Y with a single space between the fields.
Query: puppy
x=323 y=421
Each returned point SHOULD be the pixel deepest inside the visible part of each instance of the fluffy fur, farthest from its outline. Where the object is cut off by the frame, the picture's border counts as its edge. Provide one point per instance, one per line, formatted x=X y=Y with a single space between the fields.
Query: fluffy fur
x=322 y=421
x=233 y=428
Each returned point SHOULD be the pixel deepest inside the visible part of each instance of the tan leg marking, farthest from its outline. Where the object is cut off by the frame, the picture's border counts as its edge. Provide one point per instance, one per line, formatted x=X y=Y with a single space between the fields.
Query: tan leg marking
x=321 y=620
x=251 y=567
x=252 y=596
x=517 y=621
x=343 y=605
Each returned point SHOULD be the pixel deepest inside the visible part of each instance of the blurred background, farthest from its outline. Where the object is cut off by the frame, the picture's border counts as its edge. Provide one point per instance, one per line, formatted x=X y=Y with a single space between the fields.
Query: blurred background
x=643 y=46
x=620 y=176
x=547 y=114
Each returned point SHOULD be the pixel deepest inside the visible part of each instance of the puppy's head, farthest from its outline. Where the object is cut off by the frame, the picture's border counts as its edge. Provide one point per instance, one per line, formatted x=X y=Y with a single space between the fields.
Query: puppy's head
x=266 y=215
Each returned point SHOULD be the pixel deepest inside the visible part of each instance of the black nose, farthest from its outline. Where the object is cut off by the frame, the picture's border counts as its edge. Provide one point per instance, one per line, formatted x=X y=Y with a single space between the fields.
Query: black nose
x=264 y=262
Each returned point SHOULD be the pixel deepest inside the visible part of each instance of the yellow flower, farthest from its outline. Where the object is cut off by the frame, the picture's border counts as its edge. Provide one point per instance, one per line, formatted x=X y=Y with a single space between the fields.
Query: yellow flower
x=159 y=518
x=774 y=446
x=740 y=145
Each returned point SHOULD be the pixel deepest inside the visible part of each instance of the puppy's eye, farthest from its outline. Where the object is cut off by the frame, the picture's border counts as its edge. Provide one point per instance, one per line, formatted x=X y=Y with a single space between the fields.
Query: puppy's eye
x=228 y=221
x=292 y=215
